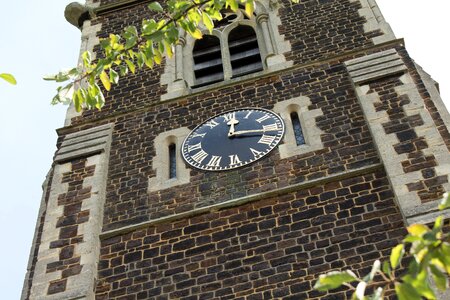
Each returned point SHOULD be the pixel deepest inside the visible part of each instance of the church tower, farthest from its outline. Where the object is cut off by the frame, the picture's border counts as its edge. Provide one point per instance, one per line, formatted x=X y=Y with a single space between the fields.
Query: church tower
x=278 y=148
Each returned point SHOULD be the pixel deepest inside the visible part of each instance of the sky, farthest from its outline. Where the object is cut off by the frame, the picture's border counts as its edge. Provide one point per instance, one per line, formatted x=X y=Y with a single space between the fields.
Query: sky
x=36 y=40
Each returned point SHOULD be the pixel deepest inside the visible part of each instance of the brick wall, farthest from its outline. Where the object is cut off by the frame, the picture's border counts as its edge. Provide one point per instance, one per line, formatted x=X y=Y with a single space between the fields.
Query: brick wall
x=347 y=145
x=410 y=144
x=316 y=30
x=323 y=210
x=272 y=248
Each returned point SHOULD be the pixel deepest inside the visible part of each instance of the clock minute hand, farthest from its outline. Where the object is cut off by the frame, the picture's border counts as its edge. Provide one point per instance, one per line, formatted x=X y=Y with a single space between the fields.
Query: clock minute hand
x=252 y=131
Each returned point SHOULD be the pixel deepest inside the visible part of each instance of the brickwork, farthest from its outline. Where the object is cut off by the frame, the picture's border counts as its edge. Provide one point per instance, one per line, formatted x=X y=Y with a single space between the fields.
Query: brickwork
x=273 y=248
x=38 y=237
x=346 y=145
x=403 y=126
x=425 y=92
x=327 y=29
x=406 y=135
x=73 y=216
x=113 y=228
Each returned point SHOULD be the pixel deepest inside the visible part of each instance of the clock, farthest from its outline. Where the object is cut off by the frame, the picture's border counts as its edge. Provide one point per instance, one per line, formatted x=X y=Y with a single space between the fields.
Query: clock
x=233 y=139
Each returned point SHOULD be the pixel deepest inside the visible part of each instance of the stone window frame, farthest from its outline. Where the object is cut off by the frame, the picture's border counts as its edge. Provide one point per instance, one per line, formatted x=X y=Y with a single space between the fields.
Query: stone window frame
x=307 y=117
x=160 y=162
x=179 y=76
x=222 y=34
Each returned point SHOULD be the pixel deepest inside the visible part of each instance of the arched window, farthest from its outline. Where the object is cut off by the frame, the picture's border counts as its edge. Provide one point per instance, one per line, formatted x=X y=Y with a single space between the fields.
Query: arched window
x=207 y=56
x=296 y=125
x=172 y=161
x=239 y=47
x=245 y=57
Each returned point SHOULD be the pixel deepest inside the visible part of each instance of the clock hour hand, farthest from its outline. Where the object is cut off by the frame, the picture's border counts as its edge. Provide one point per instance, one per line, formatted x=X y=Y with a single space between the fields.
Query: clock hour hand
x=231 y=123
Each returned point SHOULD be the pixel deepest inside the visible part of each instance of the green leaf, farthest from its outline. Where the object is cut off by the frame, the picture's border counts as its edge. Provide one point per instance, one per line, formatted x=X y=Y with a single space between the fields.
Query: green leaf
x=140 y=59
x=132 y=30
x=130 y=42
x=208 y=22
x=123 y=70
x=334 y=280
x=420 y=284
x=157 y=56
x=104 y=78
x=438 y=223
x=196 y=34
x=396 y=255
x=439 y=278
x=86 y=56
x=249 y=8
x=100 y=98
x=417 y=229
x=405 y=291
x=148 y=27
x=233 y=5
x=113 y=76
x=155 y=6
x=77 y=101
x=169 y=50
x=445 y=203
x=386 y=268
x=131 y=66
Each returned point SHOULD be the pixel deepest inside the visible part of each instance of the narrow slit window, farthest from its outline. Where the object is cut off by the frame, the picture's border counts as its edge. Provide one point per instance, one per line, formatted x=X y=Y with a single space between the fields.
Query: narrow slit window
x=172 y=161
x=207 y=56
x=245 y=56
x=298 y=133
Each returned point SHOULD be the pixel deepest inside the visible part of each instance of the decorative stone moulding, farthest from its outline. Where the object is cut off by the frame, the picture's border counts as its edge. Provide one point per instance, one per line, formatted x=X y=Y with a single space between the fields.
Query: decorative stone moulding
x=84 y=143
x=375 y=66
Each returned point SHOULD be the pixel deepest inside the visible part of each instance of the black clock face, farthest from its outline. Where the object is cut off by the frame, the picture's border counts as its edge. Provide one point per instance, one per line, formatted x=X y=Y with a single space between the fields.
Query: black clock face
x=233 y=139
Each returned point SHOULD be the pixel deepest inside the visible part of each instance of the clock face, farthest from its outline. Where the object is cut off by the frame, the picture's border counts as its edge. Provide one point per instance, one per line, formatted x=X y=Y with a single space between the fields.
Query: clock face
x=233 y=139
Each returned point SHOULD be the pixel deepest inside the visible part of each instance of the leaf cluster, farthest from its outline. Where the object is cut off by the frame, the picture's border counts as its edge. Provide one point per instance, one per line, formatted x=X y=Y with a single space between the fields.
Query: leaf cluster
x=430 y=250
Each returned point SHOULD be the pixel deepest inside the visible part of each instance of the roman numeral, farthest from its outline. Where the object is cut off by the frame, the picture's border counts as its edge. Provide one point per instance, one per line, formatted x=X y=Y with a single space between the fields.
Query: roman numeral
x=194 y=147
x=266 y=139
x=199 y=156
x=271 y=127
x=195 y=134
x=229 y=116
x=214 y=161
x=255 y=153
x=211 y=124
x=234 y=160
x=248 y=115
x=263 y=118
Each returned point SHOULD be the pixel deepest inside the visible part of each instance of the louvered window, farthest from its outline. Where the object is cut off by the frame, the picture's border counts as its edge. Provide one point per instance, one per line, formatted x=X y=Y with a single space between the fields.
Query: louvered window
x=245 y=56
x=207 y=56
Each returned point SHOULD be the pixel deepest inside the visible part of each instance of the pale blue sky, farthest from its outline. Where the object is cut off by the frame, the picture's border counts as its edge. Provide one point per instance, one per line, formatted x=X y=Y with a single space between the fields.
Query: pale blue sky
x=36 y=40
